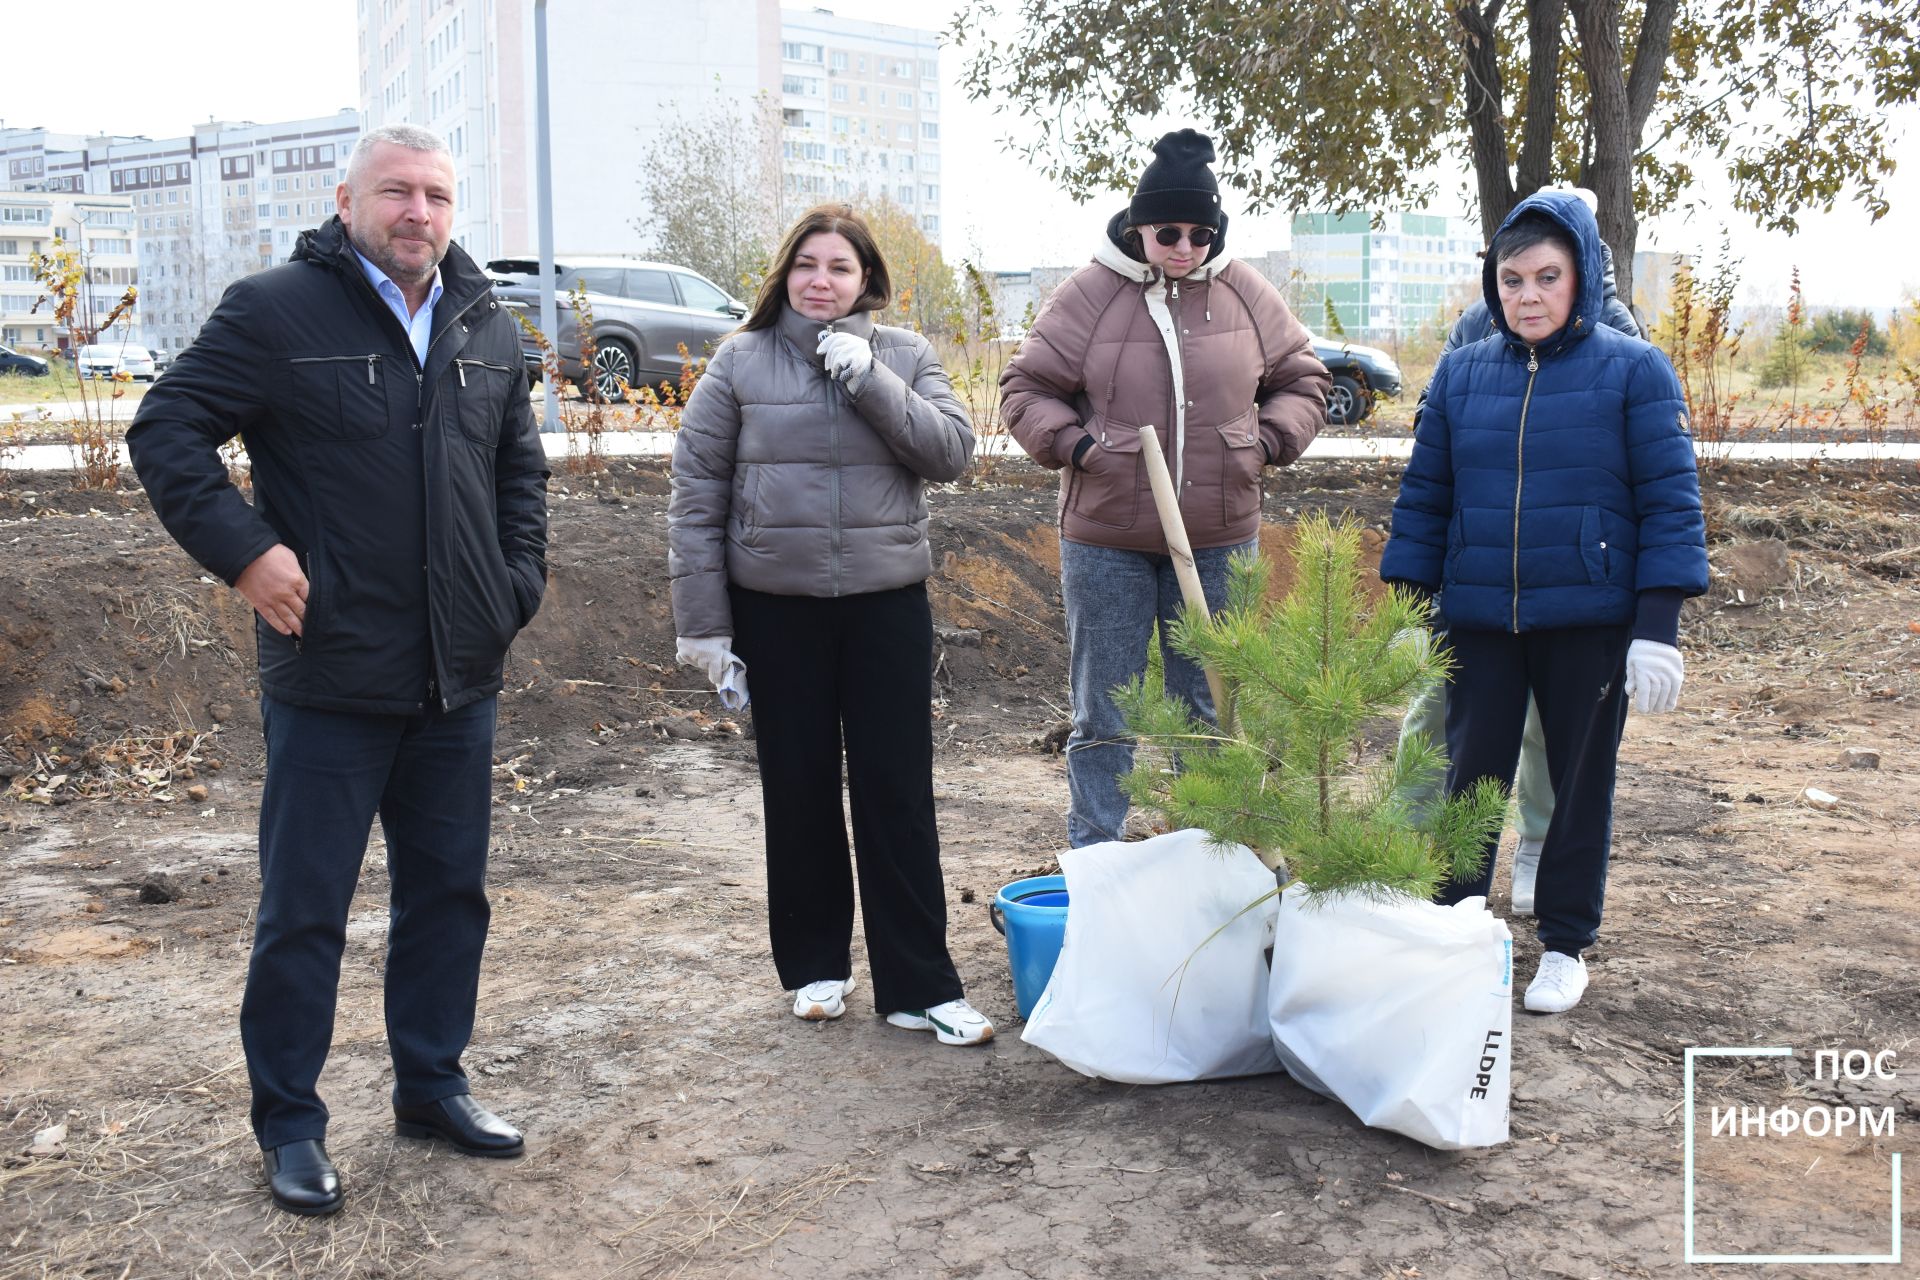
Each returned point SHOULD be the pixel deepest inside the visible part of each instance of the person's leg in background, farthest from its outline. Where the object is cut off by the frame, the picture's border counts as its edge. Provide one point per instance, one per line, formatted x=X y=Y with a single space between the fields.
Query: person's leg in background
x=1533 y=799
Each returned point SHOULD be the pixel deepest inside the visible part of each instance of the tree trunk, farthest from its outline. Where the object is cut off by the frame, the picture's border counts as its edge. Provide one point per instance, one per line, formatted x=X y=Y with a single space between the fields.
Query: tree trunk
x=1543 y=85
x=1486 y=113
x=1610 y=175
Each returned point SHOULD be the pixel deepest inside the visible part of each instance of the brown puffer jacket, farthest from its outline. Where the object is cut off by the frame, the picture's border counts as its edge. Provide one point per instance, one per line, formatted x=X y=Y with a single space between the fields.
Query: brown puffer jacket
x=1214 y=363
x=783 y=483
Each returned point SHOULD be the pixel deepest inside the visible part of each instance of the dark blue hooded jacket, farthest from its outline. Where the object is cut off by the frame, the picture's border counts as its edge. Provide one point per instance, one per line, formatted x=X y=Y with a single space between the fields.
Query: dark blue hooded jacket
x=1558 y=495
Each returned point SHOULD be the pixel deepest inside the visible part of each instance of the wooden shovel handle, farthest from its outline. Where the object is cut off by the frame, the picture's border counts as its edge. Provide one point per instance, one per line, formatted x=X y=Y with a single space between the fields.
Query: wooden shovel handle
x=1167 y=500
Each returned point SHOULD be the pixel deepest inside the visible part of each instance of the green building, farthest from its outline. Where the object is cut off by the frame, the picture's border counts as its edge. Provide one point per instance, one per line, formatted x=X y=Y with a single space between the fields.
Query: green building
x=1386 y=274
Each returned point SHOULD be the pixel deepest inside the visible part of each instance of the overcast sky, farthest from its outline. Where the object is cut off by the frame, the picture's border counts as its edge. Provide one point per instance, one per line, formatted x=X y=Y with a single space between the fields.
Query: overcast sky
x=249 y=61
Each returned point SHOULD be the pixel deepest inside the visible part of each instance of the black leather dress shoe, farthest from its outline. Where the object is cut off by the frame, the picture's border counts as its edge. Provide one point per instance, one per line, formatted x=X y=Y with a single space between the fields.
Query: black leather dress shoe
x=302 y=1179
x=459 y=1120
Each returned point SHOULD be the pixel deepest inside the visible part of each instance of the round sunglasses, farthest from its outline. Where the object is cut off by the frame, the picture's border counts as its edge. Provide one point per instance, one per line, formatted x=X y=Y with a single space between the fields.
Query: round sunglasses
x=1199 y=237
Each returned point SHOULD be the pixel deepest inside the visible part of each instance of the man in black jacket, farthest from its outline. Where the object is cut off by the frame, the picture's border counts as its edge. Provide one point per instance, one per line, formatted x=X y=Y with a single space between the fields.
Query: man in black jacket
x=395 y=546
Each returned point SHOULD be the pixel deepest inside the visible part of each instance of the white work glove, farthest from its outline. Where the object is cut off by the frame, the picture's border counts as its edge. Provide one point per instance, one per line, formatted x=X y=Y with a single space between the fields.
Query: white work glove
x=1418 y=640
x=848 y=357
x=709 y=653
x=1655 y=672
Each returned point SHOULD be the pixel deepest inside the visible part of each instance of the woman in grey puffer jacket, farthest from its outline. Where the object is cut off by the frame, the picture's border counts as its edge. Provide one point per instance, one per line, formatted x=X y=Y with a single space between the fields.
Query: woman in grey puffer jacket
x=797 y=546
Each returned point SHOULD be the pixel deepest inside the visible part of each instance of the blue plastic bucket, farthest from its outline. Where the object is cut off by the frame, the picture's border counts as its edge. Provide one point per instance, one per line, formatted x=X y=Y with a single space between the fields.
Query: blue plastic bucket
x=1032 y=914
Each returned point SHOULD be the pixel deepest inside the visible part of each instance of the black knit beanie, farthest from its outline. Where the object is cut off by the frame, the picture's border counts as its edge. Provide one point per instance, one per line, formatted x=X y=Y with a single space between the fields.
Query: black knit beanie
x=1178 y=186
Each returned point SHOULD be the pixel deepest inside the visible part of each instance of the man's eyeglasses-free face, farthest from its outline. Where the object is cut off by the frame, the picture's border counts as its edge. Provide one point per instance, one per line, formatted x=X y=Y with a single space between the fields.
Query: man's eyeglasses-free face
x=1199 y=237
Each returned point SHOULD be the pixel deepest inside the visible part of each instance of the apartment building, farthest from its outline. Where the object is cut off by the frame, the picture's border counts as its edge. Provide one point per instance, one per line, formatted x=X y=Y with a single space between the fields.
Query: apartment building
x=207 y=208
x=103 y=228
x=1385 y=274
x=860 y=113
x=465 y=69
x=859 y=104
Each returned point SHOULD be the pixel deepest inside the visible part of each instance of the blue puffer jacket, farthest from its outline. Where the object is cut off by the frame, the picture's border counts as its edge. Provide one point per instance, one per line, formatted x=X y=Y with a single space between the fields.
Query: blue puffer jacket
x=1552 y=486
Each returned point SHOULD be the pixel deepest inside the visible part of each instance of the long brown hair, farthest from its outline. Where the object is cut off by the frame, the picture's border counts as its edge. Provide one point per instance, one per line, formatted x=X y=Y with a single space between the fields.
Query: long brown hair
x=839 y=218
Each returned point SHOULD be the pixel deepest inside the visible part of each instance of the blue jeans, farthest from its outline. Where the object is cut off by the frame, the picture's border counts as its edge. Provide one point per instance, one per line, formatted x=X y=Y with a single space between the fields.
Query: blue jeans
x=1113 y=599
x=429 y=779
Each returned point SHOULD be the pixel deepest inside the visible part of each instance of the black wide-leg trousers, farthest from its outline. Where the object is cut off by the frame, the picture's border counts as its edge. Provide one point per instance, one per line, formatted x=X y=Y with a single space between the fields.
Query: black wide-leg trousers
x=852 y=673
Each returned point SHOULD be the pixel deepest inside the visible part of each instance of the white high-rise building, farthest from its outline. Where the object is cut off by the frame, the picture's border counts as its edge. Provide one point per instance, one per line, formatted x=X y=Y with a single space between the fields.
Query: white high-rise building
x=208 y=208
x=859 y=104
x=102 y=228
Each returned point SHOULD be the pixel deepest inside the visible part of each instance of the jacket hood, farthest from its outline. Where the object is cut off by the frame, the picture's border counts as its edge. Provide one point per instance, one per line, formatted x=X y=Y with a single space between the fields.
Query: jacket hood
x=1595 y=270
x=1113 y=251
x=327 y=244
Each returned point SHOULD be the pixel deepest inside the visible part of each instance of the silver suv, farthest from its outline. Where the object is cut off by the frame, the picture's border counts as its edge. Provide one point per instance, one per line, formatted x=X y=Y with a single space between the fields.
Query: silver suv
x=643 y=312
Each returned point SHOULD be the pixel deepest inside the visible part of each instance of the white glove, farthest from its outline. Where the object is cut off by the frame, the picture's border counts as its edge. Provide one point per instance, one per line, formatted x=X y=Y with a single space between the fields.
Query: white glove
x=848 y=357
x=1419 y=640
x=712 y=654
x=1655 y=672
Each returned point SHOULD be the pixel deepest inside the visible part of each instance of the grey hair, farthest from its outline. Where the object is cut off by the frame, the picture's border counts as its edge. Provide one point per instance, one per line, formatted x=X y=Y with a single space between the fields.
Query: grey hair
x=410 y=136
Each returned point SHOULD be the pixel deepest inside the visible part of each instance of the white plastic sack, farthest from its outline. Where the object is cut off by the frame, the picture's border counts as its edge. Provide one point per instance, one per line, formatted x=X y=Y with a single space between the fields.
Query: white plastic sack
x=1402 y=1010
x=1135 y=997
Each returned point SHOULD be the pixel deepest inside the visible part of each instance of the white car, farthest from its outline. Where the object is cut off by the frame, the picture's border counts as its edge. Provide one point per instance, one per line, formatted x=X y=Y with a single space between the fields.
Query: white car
x=105 y=359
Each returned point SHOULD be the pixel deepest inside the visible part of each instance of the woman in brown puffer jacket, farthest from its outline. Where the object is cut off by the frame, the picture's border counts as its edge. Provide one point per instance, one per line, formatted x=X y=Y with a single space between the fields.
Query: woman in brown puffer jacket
x=1161 y=332
x=797 y=548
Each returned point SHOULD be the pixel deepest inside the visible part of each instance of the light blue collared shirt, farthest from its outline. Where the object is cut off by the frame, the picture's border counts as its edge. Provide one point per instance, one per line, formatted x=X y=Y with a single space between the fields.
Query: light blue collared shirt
x=419 y=325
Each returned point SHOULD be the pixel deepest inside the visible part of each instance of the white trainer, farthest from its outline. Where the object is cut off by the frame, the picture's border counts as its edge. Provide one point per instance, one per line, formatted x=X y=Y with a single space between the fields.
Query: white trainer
x=1526 y=870
x=955 y=1022
x=1559 y=984
x=819 y=1001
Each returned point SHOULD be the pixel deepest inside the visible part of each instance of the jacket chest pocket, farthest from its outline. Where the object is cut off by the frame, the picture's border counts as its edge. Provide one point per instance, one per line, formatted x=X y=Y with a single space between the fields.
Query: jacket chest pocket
x=336 y=399
x=480 y=390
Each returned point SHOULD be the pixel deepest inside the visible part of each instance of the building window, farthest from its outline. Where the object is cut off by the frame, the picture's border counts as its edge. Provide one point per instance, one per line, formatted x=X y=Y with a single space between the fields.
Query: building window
x=839 y=93
x=930 y=222
x=929 y=129
x=929 y=69
x=839 y=61
x=930 y=194
x=905 y=194
x=796 y=52
x=930 y=101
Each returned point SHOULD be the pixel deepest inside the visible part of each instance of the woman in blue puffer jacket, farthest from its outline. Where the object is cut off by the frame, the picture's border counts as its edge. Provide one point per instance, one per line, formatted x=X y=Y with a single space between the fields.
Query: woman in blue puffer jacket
x=1553 y=504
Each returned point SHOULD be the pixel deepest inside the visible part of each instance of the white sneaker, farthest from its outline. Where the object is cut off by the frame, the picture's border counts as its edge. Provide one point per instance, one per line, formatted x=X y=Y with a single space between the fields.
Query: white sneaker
x=819 y=1001
x=955 y=1022
x=1526 y=870
x=1558 y=985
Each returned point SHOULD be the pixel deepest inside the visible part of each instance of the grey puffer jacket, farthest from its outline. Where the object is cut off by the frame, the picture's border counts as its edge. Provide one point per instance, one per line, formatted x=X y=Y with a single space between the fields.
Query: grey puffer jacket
x=784 y=483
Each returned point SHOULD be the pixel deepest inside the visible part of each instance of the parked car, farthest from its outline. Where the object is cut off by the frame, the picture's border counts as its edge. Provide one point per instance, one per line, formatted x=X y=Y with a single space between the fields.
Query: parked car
x=19 y=362
x=162 y=359
x=106 y=359
x=643 y=312
x=1360 y=375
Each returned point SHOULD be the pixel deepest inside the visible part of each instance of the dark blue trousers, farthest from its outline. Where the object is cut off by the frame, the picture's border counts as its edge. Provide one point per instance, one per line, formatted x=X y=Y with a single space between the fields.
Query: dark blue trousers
x=429 y=779
x=1577 y=677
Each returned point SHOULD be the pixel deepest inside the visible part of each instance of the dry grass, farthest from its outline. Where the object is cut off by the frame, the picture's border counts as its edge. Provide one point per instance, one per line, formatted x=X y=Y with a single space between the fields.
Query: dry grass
x=140 y=1178
x=1814 y=523
x=171 y=619
x=731 y=1227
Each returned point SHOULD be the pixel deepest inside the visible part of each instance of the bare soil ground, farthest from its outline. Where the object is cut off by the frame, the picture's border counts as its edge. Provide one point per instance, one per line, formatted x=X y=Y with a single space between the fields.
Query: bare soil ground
x=681 y=1122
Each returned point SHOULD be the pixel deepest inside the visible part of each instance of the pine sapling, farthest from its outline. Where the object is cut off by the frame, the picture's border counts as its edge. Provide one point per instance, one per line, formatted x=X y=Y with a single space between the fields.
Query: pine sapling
x=1290 y=781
